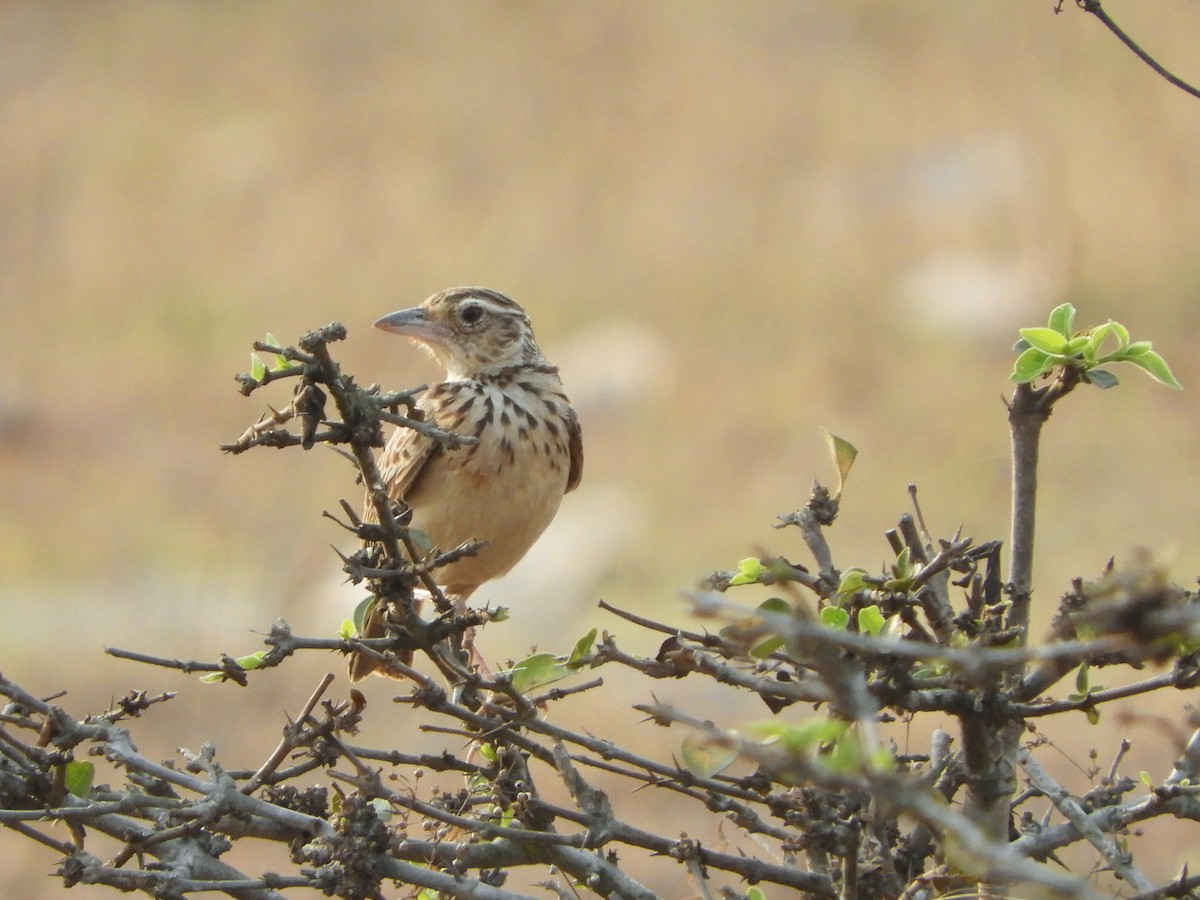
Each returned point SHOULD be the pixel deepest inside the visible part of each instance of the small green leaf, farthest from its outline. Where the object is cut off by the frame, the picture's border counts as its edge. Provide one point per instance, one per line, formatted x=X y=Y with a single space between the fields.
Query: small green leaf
x=1121 y=333
x=251 y=662
x=766 y=648
x=1081 y=679
x=853 y=579
x=488 y=751
x=1145 y=777
x=581 y=650
x=1029 y=365
x=346 y=630
x=79 y=777
x=704 y=757
x=1137 y=348
x=1062 y=318
x=258 y=369
x=211 y=678
x=749 y=571
x=802 y=737
x=870 y=620
x=1076 y=346
x=282 y=363
x=1048 y=340
x=755 y=893
x=775 y=606
x=835 y=617
x=1093 y=715
x=1093 y=340
x=536 y=671
x=1156 y=367
x=1101 y=378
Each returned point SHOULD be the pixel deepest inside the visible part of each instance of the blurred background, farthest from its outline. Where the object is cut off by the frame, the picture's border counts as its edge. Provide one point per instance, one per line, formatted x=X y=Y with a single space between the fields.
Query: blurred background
x=733 y=225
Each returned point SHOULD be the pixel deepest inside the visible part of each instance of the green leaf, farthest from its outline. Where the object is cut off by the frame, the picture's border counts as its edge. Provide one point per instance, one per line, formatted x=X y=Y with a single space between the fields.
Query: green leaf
x=1156 y=367
x=1062 y=318
x=749 y=571
x=360 y=615
x=581 y=650
x=776 y=606
x=853 y=579
x=1145 y=777
x=346 y=630
x=1101 y=378
x=835 y=617
x=806 y=735
x=844 y=453
x=488 y=751
x=79 y=777
x=251 y=662
x=536 y=671
x=870 y=620
x=903 y=571
x=1137 y=348
x=755 y=893
x=1048 y=340
x=1121 y=333
x=1081 y=679
x=1093 y=340
x=767 y=647
x=1029 y=365
x=258 y=369
x=1093 y=715
x=211 y=678
x=281 y=361
x=704 y=757
x=1077 y=345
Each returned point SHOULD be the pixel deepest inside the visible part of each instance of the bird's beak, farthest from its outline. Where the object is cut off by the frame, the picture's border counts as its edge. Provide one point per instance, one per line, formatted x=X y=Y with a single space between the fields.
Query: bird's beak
x=411 y=323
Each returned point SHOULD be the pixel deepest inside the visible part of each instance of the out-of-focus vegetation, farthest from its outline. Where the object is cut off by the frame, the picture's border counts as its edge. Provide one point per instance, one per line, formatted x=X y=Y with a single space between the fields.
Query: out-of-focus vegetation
x=731 y=223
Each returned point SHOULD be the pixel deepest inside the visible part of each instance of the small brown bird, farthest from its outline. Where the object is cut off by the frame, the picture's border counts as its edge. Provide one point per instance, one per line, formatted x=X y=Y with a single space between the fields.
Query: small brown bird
x=506 y=487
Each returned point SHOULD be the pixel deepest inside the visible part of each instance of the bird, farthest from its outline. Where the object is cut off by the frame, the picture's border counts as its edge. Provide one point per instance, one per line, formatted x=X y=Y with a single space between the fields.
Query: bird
x=506 y=486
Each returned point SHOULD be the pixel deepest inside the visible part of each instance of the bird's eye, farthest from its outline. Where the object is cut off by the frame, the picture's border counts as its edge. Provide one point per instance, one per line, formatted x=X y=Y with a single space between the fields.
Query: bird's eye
x=471 y=314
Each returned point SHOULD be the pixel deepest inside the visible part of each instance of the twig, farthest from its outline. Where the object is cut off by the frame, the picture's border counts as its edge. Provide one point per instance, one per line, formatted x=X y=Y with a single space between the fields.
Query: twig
x=1094 y=7
x=1118 y=859
x=289 y=742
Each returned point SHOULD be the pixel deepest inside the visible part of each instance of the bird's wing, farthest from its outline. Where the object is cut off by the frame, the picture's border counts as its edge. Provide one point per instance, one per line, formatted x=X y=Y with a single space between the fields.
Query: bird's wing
x=575 y=448
x=404 y=459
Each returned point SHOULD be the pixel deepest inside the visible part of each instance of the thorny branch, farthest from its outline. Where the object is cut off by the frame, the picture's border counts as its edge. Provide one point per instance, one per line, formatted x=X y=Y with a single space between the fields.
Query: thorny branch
x=820 y=802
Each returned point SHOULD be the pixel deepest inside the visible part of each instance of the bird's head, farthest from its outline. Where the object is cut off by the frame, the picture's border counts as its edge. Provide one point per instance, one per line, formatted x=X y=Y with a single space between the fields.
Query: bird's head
x=471 y=331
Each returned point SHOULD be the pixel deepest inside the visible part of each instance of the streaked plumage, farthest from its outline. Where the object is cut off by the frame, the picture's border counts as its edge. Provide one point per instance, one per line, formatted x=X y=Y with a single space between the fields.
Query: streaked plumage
x=506 y=487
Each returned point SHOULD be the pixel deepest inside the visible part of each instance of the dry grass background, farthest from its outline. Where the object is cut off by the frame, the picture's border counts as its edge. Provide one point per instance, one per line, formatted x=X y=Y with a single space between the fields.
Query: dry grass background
x=732 y=224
